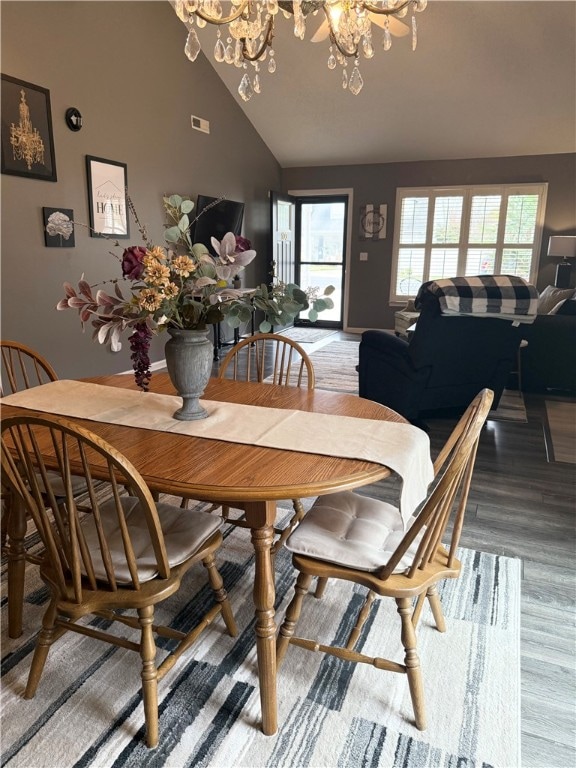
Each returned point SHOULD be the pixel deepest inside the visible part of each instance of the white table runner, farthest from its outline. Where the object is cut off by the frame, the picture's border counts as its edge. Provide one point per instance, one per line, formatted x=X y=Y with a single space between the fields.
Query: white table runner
x=403 y=448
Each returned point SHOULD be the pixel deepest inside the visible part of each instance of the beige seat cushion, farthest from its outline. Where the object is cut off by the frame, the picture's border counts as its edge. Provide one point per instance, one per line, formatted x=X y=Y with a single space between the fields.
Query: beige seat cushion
x=185 y=531
x=352 y=530
x=55 y=482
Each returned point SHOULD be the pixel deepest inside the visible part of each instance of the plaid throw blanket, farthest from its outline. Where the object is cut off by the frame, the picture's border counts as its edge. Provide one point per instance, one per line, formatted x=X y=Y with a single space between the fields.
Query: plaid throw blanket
x=503 y=296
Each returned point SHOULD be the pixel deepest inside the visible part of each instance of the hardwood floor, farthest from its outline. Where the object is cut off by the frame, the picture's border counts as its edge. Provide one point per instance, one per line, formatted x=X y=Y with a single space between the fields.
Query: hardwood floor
x=521 y=505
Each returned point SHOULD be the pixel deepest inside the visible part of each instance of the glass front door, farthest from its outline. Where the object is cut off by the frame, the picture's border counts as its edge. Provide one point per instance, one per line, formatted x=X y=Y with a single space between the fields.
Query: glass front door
x=320 y=251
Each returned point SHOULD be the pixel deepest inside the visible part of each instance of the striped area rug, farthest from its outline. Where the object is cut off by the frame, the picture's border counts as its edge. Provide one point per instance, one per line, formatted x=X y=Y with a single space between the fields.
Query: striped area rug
x=305 y=335
x=335 y=366
x=88 y=711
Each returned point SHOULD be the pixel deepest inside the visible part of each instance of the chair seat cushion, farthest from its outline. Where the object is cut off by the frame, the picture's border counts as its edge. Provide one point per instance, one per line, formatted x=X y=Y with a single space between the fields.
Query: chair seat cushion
x=185 y=531
x=354 y=531
x=57 y=485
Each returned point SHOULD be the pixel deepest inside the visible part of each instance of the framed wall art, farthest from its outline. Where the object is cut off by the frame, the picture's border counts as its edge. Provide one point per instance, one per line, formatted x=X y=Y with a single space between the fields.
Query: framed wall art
x=373 y=222
x=58 y=227
x=27 y=140
x=107 y=202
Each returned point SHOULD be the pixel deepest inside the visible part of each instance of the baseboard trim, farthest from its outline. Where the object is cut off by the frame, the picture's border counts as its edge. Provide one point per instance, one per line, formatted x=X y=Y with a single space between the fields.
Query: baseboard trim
x=153 y=367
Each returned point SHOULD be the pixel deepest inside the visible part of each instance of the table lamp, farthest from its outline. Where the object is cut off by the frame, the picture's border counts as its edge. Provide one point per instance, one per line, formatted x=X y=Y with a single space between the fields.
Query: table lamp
x=565 y=246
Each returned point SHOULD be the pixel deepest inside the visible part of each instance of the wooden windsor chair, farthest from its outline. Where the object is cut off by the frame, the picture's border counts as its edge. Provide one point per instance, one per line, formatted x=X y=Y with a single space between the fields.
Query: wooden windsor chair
x=21 y=367
x=269 y=358
x=128 y=555
x=362 y=540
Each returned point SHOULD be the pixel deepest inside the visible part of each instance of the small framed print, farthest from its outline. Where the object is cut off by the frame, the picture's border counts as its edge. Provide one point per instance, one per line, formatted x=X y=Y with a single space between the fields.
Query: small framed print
x=373 y=222
x=58 y=227
x=27 y=141
x=107 y=199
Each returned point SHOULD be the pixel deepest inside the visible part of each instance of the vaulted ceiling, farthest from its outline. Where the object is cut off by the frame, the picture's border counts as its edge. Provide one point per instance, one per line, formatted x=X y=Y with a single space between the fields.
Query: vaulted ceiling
x=489 y=78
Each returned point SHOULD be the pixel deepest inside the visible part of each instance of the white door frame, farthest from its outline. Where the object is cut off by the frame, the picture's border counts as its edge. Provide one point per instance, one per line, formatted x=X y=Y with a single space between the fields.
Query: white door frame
x=349 y=192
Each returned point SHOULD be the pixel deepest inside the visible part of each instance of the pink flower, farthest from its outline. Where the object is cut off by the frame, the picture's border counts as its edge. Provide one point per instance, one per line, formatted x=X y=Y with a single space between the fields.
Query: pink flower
x=229 y=252
x=133 y=262
x=242 y=244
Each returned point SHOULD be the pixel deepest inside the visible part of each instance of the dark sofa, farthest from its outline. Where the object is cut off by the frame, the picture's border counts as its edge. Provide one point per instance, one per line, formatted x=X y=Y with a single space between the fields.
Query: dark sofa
x=549 y=360
x=444 y=365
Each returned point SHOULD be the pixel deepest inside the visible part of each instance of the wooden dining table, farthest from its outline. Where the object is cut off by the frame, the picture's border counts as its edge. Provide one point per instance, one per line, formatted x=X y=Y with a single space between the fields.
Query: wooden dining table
x=249 y=477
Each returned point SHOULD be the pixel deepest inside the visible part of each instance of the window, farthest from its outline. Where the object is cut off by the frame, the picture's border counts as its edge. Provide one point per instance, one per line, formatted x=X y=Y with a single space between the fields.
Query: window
x=453 y=231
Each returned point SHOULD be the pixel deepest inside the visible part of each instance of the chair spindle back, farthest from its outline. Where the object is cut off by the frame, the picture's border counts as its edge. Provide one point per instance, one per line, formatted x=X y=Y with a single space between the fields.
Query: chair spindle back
x=455 y=462
x=26 y=441
x=271 y=358
x=22 y=368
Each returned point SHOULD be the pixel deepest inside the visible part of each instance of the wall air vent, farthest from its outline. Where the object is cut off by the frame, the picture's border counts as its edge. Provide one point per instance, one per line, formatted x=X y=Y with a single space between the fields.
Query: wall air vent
x=199 y=124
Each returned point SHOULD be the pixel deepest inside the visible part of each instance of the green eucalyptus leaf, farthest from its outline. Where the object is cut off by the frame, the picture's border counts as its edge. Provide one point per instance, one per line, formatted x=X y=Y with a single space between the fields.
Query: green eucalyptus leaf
x=187 y=206
x=284 y=318
x=312 y=315
x=329 y=290
x=198 y=250
x=299 y=296
x=274 y=317
x=293 y=307
x=174 y=201
x=172 y=235
x=190 y=313
x=233 y=321
x=206 y=269
x=184 y=223
x=244 y=313
x=319 y=305
x=260 y=303
x=214 y=314
x=264 y=327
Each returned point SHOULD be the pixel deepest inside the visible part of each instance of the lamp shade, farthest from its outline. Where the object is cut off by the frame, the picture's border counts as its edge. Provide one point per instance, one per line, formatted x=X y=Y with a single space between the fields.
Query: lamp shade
x=562 y=245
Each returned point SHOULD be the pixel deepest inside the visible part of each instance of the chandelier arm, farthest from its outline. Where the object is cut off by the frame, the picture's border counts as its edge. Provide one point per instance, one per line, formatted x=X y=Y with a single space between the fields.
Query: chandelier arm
x=224 y=19
x=385 y=11
x=350 y=53
x=267 y=43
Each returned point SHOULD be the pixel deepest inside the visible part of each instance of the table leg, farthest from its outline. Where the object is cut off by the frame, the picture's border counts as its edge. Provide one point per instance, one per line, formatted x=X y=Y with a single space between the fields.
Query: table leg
x=264 y=594
x=16 y=563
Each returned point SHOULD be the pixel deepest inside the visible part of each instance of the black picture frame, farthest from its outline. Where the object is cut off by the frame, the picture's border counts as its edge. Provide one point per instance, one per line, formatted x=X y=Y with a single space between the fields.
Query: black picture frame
x=27 y=139
x=58 y=227
x=107 y=197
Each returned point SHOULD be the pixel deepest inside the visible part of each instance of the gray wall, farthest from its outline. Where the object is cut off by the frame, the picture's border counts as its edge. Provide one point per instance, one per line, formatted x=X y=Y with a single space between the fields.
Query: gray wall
x=123 y=66
x=370 y=280
x=136 y=91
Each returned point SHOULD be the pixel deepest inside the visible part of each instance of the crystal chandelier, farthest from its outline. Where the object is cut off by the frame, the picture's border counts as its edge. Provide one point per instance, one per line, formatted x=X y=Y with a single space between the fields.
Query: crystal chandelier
x=250 y=27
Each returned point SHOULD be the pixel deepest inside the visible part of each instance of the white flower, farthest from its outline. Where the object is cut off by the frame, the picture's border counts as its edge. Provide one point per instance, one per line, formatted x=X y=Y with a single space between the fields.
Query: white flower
x=59 y=224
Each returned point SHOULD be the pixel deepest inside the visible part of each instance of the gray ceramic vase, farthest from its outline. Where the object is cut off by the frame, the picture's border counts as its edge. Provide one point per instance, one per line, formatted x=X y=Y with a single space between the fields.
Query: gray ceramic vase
x=189 y=356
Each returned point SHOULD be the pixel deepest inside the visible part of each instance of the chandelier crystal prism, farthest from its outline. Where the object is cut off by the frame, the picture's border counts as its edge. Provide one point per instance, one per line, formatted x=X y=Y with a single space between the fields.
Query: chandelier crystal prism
x=246 y=29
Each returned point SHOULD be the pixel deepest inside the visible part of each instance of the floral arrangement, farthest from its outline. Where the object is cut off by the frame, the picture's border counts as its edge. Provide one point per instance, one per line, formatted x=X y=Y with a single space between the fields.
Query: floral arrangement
x=183 y=286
